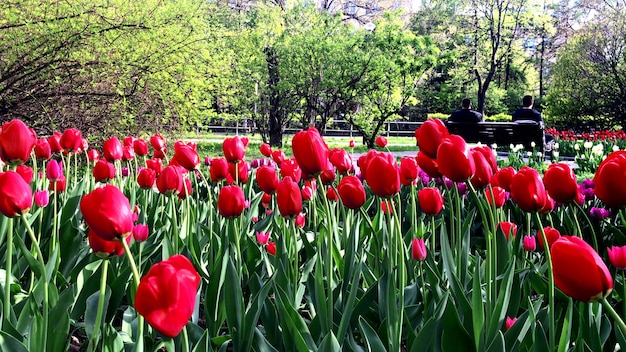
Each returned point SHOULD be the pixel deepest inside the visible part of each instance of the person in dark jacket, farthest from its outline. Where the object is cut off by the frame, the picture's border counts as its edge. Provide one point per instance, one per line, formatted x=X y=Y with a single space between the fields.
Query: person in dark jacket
x=526 y=112
x=466 y=114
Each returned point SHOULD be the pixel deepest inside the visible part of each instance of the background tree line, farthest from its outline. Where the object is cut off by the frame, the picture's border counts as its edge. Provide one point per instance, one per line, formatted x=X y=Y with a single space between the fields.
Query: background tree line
x=122 y=67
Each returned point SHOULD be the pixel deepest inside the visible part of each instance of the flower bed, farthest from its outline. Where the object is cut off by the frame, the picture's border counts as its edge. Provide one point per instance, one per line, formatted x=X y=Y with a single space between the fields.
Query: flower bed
x=151 y=249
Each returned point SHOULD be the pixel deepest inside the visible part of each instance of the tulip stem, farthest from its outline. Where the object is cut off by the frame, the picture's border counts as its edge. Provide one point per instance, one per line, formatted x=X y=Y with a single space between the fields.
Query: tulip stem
x=133 y=267
x=44 y=278
x=7 y=276
x=93 y=342
x=550 y=280
x=618 y=320
x=591 y=227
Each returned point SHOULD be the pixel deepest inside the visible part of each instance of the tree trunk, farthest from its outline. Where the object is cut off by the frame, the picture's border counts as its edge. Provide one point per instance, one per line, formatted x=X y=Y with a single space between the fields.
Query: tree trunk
x=275 y=125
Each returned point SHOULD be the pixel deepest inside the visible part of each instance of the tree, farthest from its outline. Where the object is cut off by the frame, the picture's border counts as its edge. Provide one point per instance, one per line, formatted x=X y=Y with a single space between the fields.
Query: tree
x=102 y=66
x=590 y=73
x=397 y=61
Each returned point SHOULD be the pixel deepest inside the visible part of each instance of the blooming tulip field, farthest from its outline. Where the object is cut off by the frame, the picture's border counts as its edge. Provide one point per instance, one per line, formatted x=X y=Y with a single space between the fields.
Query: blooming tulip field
x=144 y=245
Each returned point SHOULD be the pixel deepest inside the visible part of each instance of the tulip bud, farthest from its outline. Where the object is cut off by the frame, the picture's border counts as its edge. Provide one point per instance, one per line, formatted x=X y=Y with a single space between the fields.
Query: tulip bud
x=262 y=238
x=508 y=228
x=418 y=249
x=271 y=248
x=140 y=232
x=381 y=141
x=230 y=201
x=617 y=256
x=509 y=322
x=42 y=198
x=530 y=244
x=107 y=212
x=16 y=142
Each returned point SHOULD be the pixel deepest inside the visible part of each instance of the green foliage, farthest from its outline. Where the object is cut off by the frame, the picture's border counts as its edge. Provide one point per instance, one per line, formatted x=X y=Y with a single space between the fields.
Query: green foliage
x=589 y=76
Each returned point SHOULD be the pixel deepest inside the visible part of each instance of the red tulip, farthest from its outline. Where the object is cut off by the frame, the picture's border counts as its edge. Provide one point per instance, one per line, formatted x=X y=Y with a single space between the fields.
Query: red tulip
x=103 y=171
x=290 y=168
x=271 y=248
x=266 y=150
x=617 y=256
x=58 y=185
x=310 y=151
x=579 y=271
x=166 y=295
x=233 y=148
x=26 y=172
x=453 y=159
x=331 y=194
x=278 y=156
x=495 y=195
x=239 y=171
x=560 y=182
x=140 y=146
x=408 y=170
x=42 y=149
x=609 y=180
x=328 y=176
x=381 y=141
x=483 y=167
x=508 y=228
x=107 y=212
x=383 y=175
x=503 y=178
x=351 y=192
x=69 y=141
x=146 y=178
x=527 y=190
x=300 y=220
x=267 y=179
x=155 y=164
x=509 y=322
x=128 y=153
x=230 y=201
x=93 y=155
x=552 y=235
x=112 y=149
x=430 y=135
x=55 y=142
x=428 y=164
x=140 y=232
x=54 y=171
x=158 y=142
x=289 y=198
x=529 y=243
x=430 y=200
x=16 y=142
x=103 y=248
x=187 y=189
x=418 y=249
x=263 y=238
x=186 y=156
x=16 y=197
x=219 y=169
x=341 y=160
x=351 y=143
x=170 y=180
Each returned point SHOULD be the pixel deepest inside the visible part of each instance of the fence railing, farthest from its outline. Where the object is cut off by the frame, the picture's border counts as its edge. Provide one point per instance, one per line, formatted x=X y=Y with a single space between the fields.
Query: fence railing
x=337 y=128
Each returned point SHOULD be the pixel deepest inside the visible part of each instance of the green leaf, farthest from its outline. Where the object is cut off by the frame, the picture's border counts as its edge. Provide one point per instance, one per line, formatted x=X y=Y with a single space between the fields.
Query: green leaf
x=293 y=322
x=454 y=337
x=330 y=343
x=478 y=307
x=497 y=344
x=252 y=315
x=92 y=310
x=374 y=344
x=566 y=331
x=427 y=336
x=233 y=300
x=10 y=343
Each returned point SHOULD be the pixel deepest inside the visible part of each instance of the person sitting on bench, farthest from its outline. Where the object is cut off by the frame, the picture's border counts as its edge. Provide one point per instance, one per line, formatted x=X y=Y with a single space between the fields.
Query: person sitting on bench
x=527 y=114
x=466 y=114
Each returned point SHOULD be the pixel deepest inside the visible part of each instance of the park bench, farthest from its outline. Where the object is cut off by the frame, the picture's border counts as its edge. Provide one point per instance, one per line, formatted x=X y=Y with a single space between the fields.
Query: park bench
x=501 y=133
